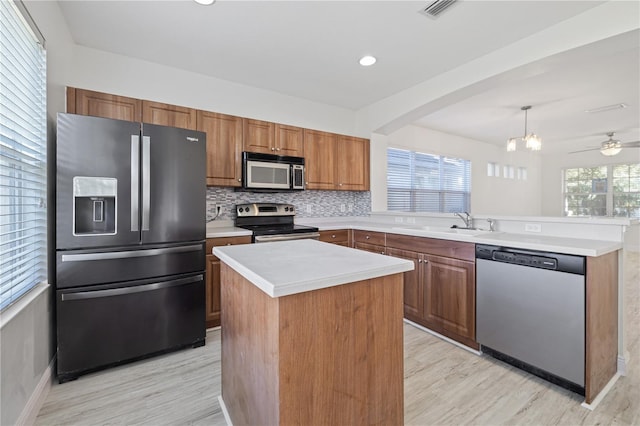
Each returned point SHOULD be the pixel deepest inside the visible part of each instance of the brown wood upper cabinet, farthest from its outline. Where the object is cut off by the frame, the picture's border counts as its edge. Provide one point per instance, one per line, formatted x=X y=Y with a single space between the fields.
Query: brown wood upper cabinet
x=97 y=104
x=352 y=165
x=336 y=162
x=272 y=138
x=224 y=147
x=168 y=115
x=319 y=154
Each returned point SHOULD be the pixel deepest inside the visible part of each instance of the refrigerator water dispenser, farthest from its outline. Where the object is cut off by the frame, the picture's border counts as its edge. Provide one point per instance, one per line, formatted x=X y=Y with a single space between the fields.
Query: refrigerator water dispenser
x=94 y=205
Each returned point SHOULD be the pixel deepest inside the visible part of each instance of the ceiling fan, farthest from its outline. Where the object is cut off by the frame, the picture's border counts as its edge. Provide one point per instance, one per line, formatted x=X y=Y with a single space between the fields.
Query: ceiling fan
x=611 y=146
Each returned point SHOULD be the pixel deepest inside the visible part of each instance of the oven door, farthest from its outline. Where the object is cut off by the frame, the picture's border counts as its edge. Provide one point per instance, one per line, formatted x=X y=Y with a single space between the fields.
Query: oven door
x=267 y=175
x=286 y=237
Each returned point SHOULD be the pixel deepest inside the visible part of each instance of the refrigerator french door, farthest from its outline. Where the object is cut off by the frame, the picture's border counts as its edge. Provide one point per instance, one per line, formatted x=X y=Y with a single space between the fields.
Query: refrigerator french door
x=130 y=231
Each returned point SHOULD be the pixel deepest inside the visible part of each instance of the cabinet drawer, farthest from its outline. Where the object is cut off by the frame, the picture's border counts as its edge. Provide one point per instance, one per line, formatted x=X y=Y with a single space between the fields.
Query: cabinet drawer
x=377 y=238
x=335 y=236
x=373 y=248
x=226 y=241
x=433 y=246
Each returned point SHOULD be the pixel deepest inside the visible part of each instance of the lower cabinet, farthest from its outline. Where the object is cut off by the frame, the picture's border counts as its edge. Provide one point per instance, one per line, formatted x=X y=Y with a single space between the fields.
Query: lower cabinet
x=449 y=298
x=212 y=277
x=338 y=236
x=413 y=288
x=439 y=293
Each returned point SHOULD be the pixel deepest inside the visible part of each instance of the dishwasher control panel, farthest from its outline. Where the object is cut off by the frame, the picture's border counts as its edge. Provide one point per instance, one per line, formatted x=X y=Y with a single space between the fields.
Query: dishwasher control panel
x=525 y=259
x=533 y=259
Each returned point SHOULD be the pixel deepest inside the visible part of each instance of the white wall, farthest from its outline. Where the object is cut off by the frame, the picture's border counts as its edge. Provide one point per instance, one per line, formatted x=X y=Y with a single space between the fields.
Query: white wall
x=79 y=66
x=489 y=195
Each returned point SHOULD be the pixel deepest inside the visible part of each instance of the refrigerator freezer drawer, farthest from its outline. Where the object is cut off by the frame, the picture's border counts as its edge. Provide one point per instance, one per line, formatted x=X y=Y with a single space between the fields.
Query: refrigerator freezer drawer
x=119 y=323
x=88 y=267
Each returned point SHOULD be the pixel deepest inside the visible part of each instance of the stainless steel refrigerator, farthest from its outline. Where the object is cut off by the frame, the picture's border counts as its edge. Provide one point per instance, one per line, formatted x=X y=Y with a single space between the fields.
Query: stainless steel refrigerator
x=130 y=234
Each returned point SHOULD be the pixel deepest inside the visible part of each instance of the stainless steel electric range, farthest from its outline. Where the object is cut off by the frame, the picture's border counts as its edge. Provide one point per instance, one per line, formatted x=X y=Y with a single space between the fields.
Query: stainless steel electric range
x=272 y=222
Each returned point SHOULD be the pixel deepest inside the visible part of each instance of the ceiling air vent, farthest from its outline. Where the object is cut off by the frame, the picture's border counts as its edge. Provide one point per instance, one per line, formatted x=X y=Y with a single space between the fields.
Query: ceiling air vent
x=437 y=7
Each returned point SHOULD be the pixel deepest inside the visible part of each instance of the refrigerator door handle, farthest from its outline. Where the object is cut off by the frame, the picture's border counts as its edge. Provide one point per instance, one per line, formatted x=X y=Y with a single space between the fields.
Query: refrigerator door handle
x=135 y=182
x=82 y=295
x=146 y=181
x=128 y=254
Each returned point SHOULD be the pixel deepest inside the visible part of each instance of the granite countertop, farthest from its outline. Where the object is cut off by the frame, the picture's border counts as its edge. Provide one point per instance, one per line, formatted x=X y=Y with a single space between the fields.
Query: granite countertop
x=291 y=267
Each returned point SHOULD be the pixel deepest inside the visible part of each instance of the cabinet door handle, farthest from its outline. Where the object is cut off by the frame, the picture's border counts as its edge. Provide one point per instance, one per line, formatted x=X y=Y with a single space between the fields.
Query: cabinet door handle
x=381 y=252
x=333 y=236
x=277 y=149
x=239 y=179
x=419 y=260
x=367 y=237
x=273 y=149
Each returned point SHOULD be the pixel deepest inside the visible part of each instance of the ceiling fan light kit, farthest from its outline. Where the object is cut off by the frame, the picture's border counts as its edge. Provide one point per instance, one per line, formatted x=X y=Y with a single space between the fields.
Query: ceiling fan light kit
x=532 y=141
x=611 y=146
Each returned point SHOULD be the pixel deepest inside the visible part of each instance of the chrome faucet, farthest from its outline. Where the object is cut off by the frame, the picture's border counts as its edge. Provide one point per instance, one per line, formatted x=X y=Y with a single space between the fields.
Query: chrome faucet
x=467 y=219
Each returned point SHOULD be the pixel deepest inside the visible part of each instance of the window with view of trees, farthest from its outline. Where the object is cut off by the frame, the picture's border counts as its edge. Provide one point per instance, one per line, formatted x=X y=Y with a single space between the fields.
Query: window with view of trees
x=612 y=190
x=419 y=182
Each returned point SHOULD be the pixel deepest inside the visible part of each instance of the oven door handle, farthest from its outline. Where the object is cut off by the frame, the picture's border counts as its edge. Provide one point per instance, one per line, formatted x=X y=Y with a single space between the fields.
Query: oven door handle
x=287 y=237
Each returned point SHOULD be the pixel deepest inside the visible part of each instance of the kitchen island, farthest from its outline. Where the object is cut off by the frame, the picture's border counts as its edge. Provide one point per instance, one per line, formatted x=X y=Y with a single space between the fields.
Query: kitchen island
x=311 y=334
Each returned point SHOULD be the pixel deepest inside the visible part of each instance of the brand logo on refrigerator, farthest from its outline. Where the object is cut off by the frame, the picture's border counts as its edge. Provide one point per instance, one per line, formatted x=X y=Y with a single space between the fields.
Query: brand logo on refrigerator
x=192 y=139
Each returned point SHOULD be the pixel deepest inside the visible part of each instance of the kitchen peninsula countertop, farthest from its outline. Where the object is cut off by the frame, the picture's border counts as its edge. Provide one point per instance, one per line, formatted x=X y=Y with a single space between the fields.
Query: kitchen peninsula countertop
x=565 y=245
x=292 y=267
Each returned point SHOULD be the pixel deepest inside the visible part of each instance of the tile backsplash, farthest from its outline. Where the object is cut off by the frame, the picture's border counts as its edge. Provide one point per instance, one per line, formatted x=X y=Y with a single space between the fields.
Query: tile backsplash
x=307 y=203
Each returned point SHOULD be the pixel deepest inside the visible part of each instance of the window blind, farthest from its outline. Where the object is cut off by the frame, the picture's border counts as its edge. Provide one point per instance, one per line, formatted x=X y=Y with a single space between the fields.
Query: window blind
x=23 y=226
x=419 y=182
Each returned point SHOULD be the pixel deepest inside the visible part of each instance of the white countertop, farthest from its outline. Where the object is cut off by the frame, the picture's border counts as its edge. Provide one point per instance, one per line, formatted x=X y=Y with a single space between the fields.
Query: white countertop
x=565 y=245
x=290 y=267
x=575 y=246
x=226 y=230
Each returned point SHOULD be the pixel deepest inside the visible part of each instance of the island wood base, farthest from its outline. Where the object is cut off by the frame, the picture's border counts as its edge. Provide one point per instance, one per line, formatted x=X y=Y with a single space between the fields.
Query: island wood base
x=329 y=356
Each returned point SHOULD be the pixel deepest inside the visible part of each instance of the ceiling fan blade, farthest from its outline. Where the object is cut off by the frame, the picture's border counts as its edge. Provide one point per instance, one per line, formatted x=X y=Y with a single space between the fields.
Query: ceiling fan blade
x=585 y=150
x=635 y=144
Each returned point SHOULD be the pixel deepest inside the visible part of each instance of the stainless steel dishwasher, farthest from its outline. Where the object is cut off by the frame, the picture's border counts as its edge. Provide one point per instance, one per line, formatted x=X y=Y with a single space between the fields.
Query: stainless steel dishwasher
x=530 y=312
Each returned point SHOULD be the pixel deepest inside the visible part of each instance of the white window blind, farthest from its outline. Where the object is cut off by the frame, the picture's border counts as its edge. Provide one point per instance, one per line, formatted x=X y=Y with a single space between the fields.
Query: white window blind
x=418 y=182
x=23 y=226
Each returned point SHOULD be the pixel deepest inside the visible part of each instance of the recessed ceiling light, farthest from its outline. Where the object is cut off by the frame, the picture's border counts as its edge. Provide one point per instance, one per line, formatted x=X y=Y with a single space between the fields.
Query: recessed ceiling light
x=205 y=2
x=367 y=60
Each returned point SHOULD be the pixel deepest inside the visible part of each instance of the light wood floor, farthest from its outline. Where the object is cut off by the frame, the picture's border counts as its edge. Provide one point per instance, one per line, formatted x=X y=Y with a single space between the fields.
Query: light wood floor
x=444 y=385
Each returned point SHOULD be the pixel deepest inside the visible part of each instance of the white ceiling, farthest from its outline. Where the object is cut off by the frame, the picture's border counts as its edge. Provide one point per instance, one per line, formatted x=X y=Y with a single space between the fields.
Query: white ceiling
x=310 y=50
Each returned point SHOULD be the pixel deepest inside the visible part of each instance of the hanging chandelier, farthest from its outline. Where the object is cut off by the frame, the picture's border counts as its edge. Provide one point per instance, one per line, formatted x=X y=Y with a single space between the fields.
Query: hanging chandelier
x=531 y=140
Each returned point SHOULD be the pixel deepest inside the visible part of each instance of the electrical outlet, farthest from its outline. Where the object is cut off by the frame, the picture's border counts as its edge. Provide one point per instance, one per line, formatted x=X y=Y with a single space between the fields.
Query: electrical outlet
x=350 y=207
x=343 y=208
x=533 y=227
x=399 y=220
x=411 y=220
x=308 y=208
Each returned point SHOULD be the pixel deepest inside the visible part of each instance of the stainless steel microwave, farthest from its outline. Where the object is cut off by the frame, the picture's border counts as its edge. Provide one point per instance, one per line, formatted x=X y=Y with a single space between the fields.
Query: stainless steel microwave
x=272 y=172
